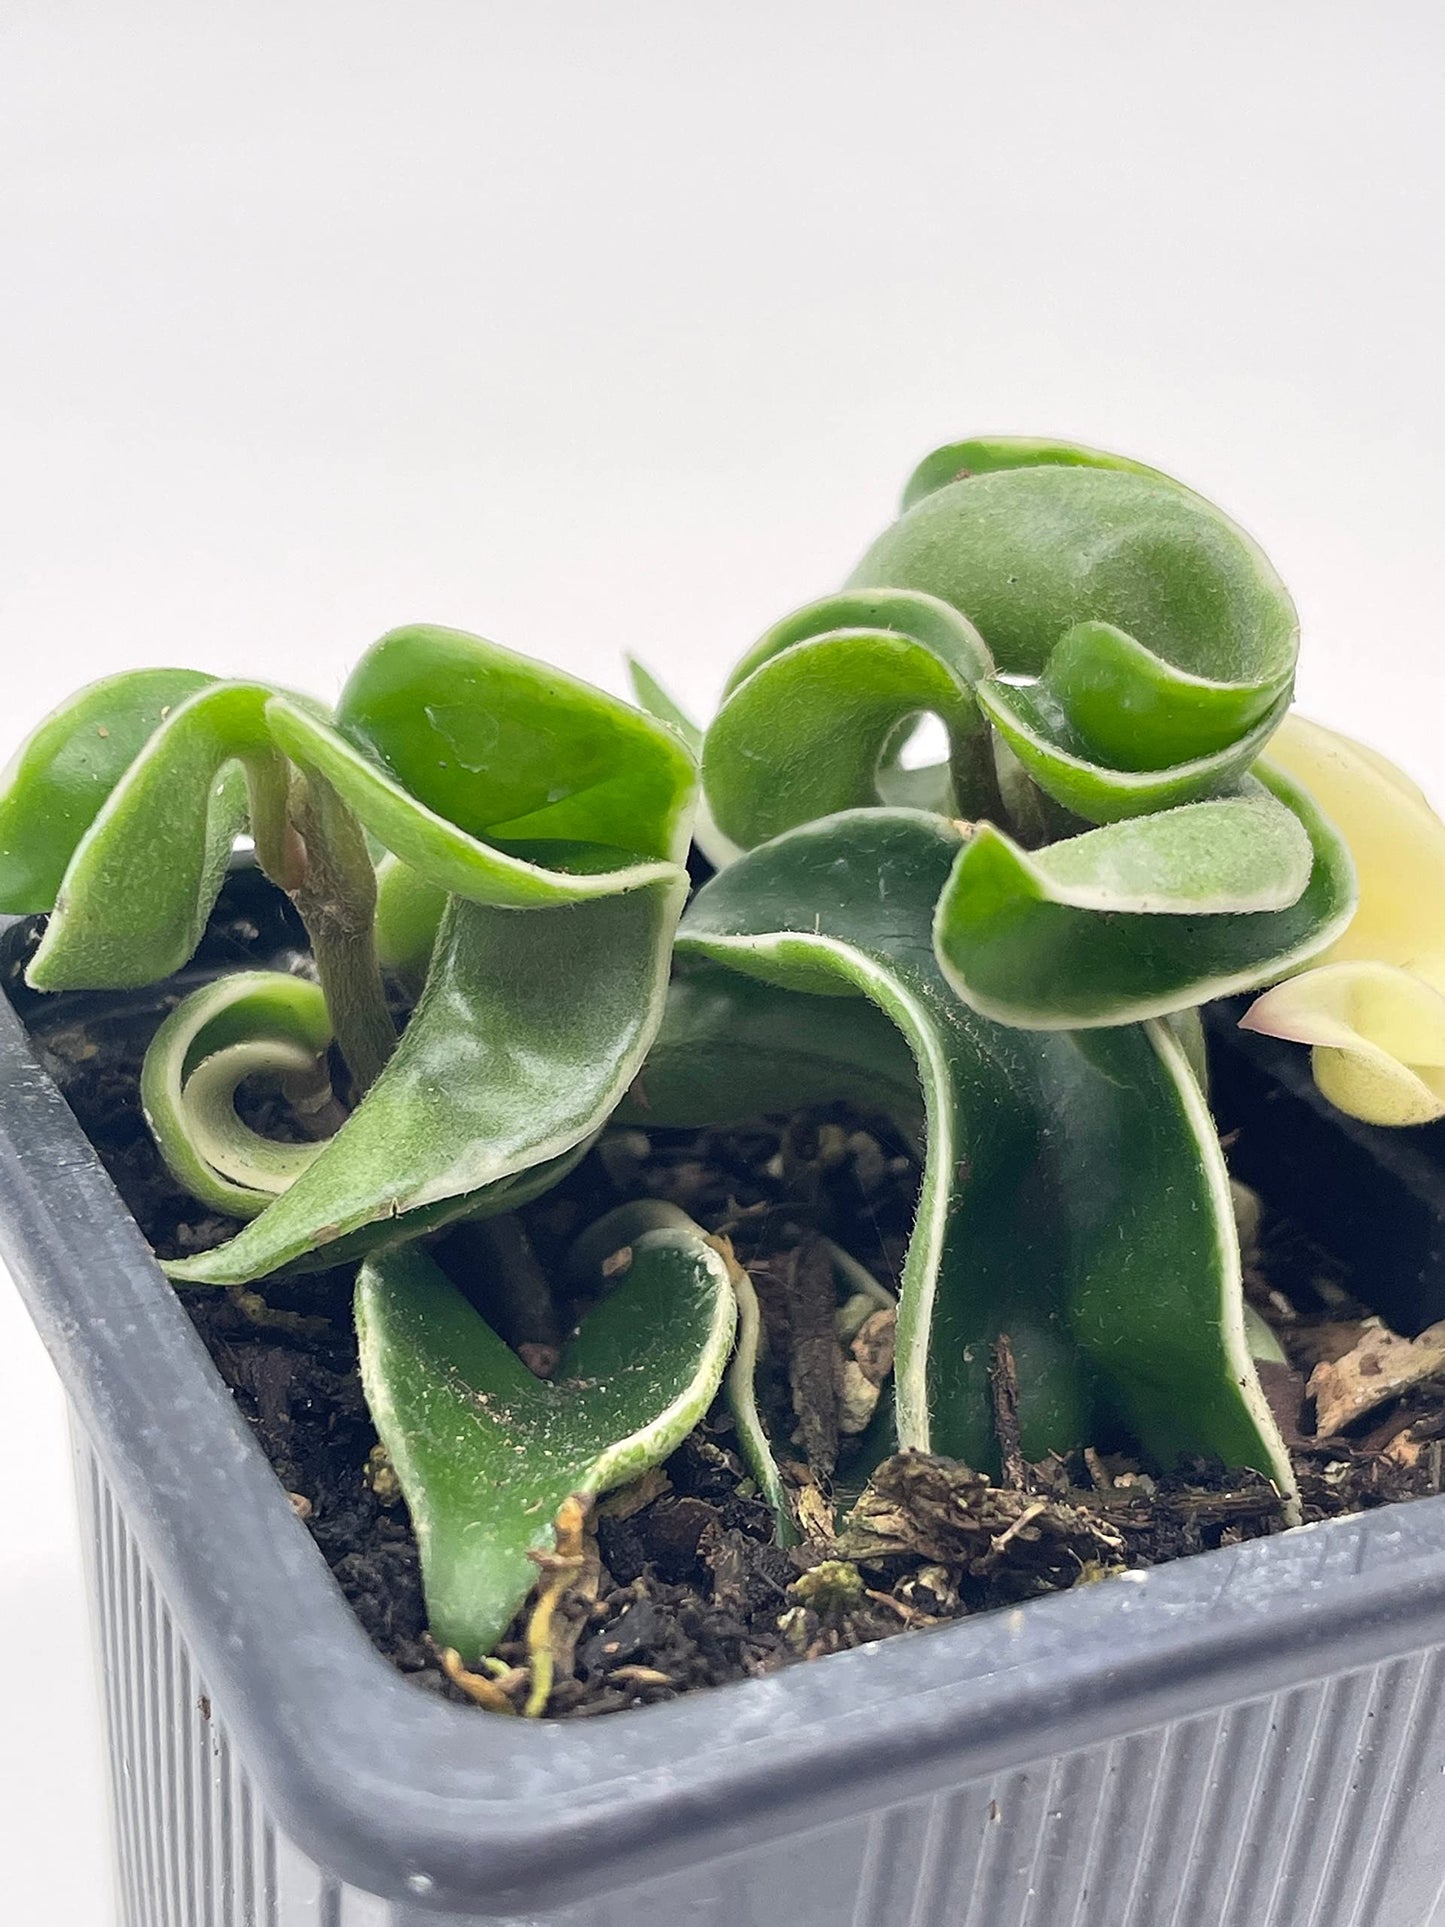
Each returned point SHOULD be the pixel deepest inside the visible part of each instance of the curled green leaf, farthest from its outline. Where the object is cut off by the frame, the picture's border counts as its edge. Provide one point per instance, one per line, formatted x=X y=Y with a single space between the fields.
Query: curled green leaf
x=1048 y=1154
x=1145 y=647
x=254 y=1024
x=816 y=713
x=486 y=1453
x=496 y=778
x=595 y=1255
x=719 y=850
x=1146 y=917
x=145 y=876
x=56 y=785
x=531 y=1027
x=987 y=454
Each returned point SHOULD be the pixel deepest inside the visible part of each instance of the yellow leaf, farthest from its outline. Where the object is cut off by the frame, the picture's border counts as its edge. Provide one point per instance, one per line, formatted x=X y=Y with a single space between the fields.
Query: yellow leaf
x=1373 y=1008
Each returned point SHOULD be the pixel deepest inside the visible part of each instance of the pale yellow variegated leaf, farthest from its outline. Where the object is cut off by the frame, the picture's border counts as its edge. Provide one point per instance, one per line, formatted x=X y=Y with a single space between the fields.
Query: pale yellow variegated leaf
x=1373 y=1009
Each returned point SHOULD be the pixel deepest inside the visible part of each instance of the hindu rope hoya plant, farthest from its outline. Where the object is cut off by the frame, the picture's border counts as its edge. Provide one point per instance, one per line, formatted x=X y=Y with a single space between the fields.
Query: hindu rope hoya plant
x=1006 y=949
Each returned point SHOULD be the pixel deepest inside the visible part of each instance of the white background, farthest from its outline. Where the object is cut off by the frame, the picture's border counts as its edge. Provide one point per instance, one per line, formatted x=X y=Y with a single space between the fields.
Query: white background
x=605 y=326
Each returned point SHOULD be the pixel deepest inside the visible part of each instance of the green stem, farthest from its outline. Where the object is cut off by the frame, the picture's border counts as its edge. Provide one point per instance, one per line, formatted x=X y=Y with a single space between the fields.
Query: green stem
x=335 y=897
x=279 y=850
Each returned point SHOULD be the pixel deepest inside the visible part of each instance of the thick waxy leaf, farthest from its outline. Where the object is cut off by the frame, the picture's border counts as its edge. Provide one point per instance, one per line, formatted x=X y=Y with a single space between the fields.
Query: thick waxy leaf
x=814 y=717
x=1049 y=1158
x=1160 y=642
x=1378 y=1037
x=497 y=778
x=1374 y=1007
x=612 y=1238
x=486 y=1453
x=145 y=876
x=940 y=628
x=1043 y=737
x=732 y=1048
x=257 y=1023
x=1145 y=917
x=55 y=786
x=531 y=1027
x=985 y=454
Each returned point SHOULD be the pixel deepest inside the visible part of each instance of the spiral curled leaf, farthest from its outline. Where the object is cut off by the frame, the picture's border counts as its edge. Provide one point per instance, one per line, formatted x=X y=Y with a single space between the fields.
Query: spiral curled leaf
x=817 y=711
x=1145 y=648
x=141 y=881
x=489 y=775
x=1145 y=917
x=64 y=773
x=496 y=778
x=254 y=1024
x=530 y=1028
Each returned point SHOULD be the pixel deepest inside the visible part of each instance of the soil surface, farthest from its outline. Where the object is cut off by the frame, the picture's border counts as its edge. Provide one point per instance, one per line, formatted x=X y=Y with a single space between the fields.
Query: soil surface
x=682 y=1585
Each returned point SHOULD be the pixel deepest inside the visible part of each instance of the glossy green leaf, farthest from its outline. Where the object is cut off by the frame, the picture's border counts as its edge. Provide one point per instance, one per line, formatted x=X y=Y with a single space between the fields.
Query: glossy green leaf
x=486 y=1453
x=1053 y=753
x=56 y=785
x=497 y=778
x=1145 y=917
x=1145 y=646
x=818 y=710
x=255 y=1023
x=531 y=1027
x=145 y=876
x=593 y=1259
x=1074 y=1195
x=987 y=454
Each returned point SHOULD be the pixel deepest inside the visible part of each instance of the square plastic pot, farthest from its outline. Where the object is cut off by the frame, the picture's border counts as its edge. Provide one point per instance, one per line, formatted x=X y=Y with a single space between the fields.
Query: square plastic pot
x=1251 y=1737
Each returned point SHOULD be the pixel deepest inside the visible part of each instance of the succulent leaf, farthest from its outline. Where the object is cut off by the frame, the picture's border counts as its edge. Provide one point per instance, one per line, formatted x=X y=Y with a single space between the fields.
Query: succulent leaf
x=731 y=1047
x=1144 y=917
x=987 y=454
x=251 y=1024
x=496 y=778
x=62 y=775
x=1145 y=647
x=1048 y=1155
x=814 y=724
x=658 y=703
x=530 y=1028
x=1373 y=1007
x=486 y=1453
x=145 y=875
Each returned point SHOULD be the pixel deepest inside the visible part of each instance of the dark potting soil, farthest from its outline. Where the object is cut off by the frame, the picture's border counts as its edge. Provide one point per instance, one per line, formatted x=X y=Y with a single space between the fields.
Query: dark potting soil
x=681 y=1585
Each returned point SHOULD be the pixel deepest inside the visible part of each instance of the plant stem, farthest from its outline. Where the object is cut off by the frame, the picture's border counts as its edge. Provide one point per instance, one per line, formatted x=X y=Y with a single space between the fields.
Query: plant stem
x=335 y=898
x=514 y=1295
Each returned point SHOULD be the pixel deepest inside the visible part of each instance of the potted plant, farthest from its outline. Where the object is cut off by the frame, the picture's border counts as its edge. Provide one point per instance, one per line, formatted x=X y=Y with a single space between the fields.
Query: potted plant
x=467 y=1043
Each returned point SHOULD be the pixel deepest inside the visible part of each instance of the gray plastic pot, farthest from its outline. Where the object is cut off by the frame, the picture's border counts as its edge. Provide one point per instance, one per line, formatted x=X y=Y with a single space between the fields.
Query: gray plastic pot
x=1252 y=1737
